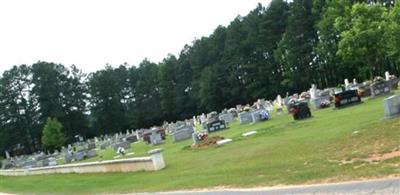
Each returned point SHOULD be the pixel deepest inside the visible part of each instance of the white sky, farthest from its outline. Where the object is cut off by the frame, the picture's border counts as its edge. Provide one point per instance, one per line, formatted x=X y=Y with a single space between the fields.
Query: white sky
x=91 y=33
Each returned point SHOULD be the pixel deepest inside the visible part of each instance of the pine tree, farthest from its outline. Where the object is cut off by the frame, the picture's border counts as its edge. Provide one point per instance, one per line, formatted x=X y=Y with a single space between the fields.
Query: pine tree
x=53 y=136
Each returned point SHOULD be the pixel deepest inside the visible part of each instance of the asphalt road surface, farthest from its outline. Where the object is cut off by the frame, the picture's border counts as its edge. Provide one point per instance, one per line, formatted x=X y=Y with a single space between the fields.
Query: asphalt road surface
x=381 y=187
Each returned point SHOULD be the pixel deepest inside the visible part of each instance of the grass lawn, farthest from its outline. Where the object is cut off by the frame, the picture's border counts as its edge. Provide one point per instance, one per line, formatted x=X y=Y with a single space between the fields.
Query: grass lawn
x=320 y=149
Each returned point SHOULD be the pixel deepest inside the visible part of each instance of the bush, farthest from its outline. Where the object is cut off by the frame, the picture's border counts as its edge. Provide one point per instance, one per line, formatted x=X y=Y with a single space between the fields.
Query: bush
x=52 y=137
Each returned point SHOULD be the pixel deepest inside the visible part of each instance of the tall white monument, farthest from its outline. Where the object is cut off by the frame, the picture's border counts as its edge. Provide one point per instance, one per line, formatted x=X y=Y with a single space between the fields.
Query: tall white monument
x=387 y=75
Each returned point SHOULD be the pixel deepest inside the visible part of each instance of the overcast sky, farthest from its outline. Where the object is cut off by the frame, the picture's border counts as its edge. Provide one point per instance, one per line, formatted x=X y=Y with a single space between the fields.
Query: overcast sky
x=91 y=33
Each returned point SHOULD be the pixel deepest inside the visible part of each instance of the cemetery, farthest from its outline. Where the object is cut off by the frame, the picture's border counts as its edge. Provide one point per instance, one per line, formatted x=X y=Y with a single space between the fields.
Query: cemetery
x=179 y=97
x=262 y=128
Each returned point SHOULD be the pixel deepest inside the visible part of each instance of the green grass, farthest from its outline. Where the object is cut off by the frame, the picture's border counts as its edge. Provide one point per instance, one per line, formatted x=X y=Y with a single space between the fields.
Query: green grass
x=283 y=152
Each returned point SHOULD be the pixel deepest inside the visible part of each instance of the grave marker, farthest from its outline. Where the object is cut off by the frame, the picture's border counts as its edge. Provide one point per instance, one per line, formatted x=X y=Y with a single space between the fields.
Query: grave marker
x=392 y=106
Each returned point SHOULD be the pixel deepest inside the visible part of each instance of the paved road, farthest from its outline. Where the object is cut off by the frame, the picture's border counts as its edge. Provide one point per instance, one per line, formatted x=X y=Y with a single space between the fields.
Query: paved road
x=383 y=186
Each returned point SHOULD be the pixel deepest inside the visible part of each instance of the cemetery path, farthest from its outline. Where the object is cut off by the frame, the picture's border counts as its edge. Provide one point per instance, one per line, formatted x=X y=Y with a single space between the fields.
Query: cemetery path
x=380 y=186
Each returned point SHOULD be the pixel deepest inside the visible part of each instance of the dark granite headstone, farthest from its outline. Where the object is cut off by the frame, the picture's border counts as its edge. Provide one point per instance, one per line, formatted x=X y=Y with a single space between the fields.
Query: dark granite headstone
x=380 y=88
x=131 y=138
x=216 y=125
x=346 y=98
x=300 y=110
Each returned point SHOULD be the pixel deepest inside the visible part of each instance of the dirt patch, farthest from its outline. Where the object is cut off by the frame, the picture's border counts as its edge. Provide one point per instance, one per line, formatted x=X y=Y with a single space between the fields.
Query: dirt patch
x=209 y=141
x=374 y=158
x=382 y=157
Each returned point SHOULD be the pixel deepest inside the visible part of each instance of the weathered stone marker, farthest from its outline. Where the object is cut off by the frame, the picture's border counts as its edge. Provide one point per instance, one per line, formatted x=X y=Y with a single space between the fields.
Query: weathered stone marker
x=392 y=106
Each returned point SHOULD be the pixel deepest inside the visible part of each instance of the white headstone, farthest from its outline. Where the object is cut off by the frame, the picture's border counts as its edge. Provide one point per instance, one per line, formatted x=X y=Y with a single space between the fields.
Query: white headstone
x=355 y=81
x=313 y=91
x=194 y=120
x=387 y=75
x=279 y=101
x=7 y=155
x=203 y=118
x=346 y=82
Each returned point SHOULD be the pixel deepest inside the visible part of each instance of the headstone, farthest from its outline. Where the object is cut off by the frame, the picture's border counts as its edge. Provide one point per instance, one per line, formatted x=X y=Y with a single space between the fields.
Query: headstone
x=259 y=115
x=116 y=137
x=392 y=106
x=300 y=110
x=182 y=133
x=91 y=153
x=64 y=150
x=269 y=107
x=245 y=117
x=279 y=104
x=6 y=164
x=52 y=161
x=131 y=138
x=387 y=75
x=346 y=83
x=80 y=155
x=364 y=90
x=203 y=118
x=355 y=81
x=249 y=133
x=29 y=164
x=346 y=98
x=45 y=162
x=320 y=101
x=223 y=142
x=91 y=145
x=195 y=138
x=313 y=91
x=380 y=88
x=68 y=158
x=155 y=138
x=104 y=145
x=137 y=135
x=227 y=117
x=7 y=154
x=125 y=145
x=216 y=125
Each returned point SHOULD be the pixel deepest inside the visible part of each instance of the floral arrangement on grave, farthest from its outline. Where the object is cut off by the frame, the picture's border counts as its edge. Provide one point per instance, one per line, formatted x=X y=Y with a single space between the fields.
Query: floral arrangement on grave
x=325 y=104
x=202 y=136
x=360 y=92
x=207 y=141
x=246 y=109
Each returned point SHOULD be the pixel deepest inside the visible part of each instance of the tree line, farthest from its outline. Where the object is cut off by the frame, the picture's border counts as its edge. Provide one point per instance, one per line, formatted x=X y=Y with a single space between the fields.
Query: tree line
x=278 y=49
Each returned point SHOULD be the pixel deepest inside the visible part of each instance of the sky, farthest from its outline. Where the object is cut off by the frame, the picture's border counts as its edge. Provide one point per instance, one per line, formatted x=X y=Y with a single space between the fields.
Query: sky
x=92 y=33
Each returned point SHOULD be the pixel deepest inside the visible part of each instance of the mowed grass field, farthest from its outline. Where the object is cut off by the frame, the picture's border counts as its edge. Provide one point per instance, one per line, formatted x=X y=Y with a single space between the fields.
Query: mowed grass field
x=329 y=147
